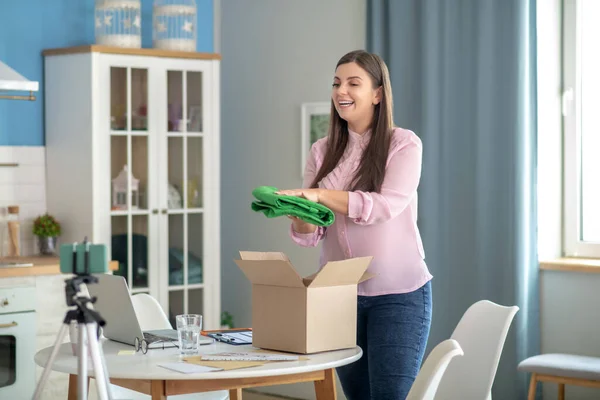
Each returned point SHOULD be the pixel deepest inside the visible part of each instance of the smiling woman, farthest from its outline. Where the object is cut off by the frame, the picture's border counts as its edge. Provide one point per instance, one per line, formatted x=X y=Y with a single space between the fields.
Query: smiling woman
x=367 y=172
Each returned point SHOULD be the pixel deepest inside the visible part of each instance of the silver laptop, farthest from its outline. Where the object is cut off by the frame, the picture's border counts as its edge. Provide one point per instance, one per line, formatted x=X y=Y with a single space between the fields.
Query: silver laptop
x=115 y=306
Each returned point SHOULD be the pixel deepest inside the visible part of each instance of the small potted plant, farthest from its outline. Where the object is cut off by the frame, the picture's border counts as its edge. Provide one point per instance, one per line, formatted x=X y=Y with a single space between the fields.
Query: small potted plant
x=226 y=320
x=47 y=229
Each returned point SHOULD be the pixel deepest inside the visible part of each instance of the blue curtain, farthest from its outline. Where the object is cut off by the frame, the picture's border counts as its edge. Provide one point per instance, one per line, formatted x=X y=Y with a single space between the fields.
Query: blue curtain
x=464 y=79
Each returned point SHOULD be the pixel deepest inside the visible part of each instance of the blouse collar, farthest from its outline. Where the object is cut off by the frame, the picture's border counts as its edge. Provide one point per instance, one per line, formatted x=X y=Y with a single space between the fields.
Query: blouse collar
x=356 y=138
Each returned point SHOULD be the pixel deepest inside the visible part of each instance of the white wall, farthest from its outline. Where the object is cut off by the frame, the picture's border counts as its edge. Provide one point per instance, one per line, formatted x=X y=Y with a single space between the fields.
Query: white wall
x=570 y=322
x=276 y=55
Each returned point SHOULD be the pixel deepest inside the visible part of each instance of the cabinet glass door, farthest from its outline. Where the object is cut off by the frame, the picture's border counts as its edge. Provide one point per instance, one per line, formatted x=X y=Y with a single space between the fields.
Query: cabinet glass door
x=129 y=155
x=185 y=193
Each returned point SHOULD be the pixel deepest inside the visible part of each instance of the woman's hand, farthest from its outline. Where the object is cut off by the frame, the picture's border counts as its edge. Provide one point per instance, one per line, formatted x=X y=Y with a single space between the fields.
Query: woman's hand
x=308 y=194
x=335 y=200
x=300 y=226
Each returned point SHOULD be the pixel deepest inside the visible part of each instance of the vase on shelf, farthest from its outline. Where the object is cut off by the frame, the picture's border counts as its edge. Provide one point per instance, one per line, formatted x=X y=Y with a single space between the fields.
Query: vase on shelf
x=174 y=25
x=47 y=245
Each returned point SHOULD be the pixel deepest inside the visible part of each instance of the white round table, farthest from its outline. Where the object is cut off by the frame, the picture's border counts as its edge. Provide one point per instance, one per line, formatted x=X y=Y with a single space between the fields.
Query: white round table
x=141 y=372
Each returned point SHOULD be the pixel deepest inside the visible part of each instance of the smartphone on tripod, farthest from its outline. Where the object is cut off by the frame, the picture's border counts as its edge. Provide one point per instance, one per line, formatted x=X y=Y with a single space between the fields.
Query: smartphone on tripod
x=81 y=259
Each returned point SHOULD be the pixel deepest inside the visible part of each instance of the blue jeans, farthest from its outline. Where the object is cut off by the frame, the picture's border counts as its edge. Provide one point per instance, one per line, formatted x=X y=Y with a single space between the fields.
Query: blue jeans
x=392 y=331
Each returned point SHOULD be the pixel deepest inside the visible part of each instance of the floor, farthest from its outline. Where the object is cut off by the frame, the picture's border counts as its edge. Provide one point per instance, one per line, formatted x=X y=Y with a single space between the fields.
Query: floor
x=251 y=395
x=247 y=394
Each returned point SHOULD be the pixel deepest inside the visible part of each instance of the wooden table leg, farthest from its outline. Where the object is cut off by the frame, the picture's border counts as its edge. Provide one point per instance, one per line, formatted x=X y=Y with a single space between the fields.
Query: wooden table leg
x=157 y=390
x=72 y=387
x=325 y=389
x=235 y=394
x=561 y=391
x=72 y=394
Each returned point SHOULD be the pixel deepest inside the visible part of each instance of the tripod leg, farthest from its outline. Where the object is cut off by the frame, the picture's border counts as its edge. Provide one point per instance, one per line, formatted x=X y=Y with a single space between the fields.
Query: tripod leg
x=99 y=372
x=59 y=339
x=105 y=369
x=82 y=377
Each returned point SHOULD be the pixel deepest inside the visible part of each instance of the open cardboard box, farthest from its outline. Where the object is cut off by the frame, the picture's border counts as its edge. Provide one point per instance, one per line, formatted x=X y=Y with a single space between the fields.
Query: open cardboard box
x=303 y=315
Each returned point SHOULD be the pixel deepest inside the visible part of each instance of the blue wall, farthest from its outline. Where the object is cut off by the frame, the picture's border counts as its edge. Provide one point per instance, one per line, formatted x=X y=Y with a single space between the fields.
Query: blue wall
x=28 y=27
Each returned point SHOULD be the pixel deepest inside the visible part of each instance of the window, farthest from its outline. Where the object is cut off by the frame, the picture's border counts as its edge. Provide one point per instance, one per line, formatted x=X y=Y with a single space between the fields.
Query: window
x=581 y=123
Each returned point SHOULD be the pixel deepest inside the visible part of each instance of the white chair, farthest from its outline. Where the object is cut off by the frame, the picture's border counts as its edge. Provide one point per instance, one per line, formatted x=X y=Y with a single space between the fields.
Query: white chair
x=481 y=333
x=562 y=369
x=427 y=382
x=151 y=317
x=149 y=313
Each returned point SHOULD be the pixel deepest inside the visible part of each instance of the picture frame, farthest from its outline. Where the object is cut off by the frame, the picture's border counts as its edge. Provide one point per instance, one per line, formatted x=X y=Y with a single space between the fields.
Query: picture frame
x=314 y=126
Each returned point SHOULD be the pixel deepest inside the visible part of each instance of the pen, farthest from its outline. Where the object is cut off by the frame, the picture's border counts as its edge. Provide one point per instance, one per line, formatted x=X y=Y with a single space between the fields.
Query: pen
x=223 y=338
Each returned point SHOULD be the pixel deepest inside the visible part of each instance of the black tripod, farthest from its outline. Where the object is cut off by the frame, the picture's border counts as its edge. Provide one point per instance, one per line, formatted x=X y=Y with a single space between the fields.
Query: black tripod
x=89 y=322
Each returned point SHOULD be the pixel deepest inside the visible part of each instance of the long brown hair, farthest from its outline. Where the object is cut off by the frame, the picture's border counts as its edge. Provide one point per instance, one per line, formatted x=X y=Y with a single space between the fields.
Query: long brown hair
x=371 y=171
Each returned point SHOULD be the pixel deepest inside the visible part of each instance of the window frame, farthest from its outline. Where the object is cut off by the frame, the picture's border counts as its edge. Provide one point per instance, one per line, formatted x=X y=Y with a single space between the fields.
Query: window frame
x=573 y=245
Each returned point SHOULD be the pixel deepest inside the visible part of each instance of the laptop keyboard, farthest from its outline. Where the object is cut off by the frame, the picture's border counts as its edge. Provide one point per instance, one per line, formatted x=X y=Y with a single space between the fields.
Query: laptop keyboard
x=150 y=338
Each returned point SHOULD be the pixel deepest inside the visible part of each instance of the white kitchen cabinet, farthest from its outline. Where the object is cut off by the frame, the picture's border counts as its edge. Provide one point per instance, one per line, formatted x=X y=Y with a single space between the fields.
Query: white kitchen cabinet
x=155 y=114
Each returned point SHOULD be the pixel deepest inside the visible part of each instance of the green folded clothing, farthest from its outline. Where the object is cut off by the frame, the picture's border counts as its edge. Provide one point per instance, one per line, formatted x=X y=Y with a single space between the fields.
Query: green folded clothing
x=275 y=205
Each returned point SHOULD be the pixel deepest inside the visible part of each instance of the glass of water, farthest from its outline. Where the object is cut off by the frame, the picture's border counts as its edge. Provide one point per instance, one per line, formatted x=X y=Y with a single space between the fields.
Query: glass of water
x=188 y=330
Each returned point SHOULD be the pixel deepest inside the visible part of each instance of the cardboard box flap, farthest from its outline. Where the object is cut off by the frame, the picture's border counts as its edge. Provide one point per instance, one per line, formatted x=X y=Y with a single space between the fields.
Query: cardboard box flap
x=263 y=255
x=366 y=276
x=344 y=272
x=308 y=279
x=270 y=272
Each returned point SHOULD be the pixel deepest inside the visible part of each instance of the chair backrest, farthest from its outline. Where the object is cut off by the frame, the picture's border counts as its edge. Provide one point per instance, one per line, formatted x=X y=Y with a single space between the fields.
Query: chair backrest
x=149 y=313
x=481 y=333
x=426 y=384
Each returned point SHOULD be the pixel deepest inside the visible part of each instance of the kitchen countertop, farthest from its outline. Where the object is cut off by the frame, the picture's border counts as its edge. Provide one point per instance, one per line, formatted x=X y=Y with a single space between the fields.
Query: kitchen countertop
x=41 y=266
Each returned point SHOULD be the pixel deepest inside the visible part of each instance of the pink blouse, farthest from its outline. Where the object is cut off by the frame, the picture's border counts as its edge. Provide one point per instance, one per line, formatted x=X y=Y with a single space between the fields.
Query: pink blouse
x=382 y=225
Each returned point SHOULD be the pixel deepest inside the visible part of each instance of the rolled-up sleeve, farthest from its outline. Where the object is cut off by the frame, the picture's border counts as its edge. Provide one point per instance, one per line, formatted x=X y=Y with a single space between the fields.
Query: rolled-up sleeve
x=310 y=171
x=402 y=177
x=308 y=239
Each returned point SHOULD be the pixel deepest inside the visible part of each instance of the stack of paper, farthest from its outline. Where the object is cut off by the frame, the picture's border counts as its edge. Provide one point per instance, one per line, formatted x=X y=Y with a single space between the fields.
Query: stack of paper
x=223 y=365
x=241 y=337
x=248 y=357
x=226 y=361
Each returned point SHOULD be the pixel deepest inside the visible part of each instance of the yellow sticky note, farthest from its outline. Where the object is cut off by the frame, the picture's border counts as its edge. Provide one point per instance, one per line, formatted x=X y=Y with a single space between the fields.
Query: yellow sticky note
x=126 y=352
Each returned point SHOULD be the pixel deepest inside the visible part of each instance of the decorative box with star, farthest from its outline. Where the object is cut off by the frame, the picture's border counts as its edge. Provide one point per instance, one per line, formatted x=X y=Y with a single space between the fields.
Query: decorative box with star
x=118 y=23
x=174 y=26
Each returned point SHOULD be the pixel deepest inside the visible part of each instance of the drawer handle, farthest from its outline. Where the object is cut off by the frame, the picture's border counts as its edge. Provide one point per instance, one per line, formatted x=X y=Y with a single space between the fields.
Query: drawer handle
x=8 y=325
